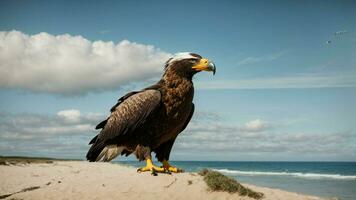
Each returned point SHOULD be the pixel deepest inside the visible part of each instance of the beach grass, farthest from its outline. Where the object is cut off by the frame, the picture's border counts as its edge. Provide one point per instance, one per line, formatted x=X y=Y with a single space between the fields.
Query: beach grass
x=219 y=182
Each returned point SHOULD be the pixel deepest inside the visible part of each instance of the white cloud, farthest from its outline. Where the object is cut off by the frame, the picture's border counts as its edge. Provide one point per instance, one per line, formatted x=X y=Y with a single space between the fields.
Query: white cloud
x=256 y=59
x=255 y=125
x=73 y=65
x=70 y=115
x=312 y=80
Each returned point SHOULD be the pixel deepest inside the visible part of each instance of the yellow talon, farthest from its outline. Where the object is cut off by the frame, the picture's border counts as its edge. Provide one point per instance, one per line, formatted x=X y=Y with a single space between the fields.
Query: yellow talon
x=150 y=167
x=171 y=168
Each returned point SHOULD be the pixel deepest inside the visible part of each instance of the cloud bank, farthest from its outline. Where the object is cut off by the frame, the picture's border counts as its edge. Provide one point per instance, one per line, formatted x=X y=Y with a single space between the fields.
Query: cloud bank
x=258 y=139
x=73 y=65
x=66 y=135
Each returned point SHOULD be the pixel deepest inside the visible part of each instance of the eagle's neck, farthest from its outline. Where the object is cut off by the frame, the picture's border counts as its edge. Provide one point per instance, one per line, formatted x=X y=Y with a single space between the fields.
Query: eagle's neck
x=178 y=92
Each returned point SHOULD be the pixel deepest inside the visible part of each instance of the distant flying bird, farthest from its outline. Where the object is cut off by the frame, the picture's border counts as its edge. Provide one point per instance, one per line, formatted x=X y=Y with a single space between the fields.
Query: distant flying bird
x=150 y=120
x=340 y=32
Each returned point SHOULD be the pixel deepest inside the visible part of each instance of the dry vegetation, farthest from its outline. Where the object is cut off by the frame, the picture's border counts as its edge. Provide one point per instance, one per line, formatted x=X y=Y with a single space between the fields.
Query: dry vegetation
x=219 y=182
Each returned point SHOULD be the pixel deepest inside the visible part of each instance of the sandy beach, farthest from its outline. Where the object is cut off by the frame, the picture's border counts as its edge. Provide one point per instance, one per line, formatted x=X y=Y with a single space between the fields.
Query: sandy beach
x=84 y=180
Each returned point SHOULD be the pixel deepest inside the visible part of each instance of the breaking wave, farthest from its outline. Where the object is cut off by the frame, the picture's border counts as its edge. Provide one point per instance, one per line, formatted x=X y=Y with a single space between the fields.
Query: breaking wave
x=295 y=174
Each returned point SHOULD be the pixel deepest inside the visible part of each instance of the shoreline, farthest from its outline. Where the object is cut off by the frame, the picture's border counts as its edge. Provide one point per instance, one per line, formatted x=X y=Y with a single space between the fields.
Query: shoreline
x=85 y=180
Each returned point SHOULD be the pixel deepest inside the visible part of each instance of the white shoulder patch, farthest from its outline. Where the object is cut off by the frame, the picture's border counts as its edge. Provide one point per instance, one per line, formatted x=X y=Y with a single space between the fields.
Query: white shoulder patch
x=181 y=56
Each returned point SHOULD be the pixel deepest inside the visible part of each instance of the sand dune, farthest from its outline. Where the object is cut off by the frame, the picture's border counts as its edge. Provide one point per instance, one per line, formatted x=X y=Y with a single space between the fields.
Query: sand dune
x=84 y=180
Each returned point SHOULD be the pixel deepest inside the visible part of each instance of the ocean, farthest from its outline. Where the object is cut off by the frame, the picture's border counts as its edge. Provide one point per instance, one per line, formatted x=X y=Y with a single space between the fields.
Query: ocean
x=324 y=179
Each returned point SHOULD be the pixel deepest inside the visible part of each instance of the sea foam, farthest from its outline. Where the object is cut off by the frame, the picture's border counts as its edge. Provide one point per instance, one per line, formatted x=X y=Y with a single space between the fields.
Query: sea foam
x=295 y=174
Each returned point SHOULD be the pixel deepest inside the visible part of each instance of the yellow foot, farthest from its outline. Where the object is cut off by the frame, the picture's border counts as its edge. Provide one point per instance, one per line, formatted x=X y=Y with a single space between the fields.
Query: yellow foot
x=150 y=167
x=171 y=168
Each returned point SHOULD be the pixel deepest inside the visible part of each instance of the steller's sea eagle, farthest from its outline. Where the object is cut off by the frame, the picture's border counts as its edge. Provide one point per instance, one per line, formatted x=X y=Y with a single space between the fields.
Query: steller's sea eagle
x=150 y=120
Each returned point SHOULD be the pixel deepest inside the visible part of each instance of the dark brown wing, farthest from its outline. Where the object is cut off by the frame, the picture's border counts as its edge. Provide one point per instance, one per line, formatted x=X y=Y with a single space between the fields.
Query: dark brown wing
x=131 y=113
x=122 y=99
x=128 y=114
x=101 y=125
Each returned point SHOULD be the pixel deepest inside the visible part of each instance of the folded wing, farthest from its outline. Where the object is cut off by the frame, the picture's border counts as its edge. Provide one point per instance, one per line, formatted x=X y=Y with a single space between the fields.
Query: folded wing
x=126 y=116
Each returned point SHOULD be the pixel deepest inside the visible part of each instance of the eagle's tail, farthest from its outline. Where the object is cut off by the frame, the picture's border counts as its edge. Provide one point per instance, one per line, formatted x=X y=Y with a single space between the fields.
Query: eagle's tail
x=102 y=152
x=95 y=149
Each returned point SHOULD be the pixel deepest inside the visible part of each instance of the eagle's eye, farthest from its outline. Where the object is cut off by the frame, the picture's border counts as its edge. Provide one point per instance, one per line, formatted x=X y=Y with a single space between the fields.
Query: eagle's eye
x=193 y=60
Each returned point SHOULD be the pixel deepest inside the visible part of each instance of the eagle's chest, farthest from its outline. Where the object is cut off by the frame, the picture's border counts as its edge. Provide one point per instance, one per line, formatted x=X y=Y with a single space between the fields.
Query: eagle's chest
x=176 y=104
x=176 y=115
x=176 y=107
x=176 y=110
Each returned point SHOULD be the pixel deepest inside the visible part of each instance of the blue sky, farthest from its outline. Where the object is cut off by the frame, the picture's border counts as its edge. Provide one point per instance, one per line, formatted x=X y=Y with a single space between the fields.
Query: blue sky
x=280 y=92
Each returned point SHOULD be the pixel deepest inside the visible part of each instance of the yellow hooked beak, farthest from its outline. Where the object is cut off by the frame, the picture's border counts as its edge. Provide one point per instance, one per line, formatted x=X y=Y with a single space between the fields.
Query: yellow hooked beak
x=205 y=65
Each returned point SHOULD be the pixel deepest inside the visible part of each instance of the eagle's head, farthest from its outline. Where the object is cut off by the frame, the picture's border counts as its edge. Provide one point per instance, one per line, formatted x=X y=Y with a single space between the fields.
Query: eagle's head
x=187 y=64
